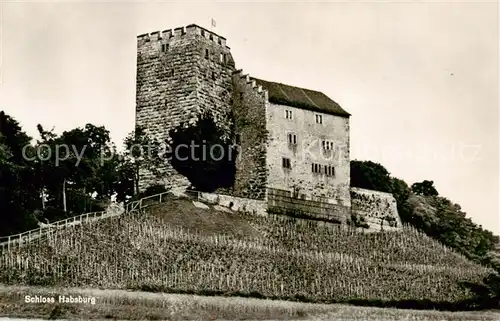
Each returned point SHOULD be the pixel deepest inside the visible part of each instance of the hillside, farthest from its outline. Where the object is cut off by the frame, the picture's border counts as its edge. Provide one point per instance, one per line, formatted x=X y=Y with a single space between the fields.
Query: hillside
x=177 y=247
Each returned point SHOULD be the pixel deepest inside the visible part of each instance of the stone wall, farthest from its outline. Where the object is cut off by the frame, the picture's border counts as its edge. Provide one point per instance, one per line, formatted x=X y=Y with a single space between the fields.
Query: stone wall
x=308 y=150
x=181 y=73
x=249 y=110
x=282 y=201
x=235 y=203
x=379 y=209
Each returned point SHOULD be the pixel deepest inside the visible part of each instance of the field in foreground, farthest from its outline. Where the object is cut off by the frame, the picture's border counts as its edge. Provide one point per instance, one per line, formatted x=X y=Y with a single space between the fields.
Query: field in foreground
x=119 y=304
x=176 y=247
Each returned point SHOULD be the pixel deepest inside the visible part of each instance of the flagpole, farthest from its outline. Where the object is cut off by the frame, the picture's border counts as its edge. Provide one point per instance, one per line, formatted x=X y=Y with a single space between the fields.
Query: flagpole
x=212 y=24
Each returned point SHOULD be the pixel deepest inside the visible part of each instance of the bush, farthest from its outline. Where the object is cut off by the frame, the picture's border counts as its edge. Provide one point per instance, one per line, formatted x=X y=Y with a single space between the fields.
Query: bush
x=358 y=221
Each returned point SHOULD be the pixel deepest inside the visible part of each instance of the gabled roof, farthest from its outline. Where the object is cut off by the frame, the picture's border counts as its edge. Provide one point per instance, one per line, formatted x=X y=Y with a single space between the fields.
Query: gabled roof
x=301 y=98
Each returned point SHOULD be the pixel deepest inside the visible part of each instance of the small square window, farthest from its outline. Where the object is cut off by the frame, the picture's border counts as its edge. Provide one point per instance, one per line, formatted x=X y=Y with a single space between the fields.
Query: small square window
x=288 y=114
x=319 y=119
x=164 y=47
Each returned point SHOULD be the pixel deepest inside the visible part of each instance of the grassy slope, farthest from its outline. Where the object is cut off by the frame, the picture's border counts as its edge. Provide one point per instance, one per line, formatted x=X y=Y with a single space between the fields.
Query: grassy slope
x=119 y=304
x=180 y=248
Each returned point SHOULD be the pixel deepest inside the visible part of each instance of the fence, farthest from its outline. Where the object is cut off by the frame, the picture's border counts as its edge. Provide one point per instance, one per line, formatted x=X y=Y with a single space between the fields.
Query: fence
x=28 y=236
x=277 y=200
x=7 y=242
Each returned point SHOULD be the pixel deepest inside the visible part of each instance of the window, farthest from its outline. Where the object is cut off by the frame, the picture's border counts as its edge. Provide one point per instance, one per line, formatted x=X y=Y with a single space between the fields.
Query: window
x=329 y=170
x=319 y=119
x=206 y=53
x=316 y=168
x=164 y=47
x=292 y=139
x=322 y=169
x=288 y=114
x=327 y=145
x=222 y=58
x=213 y=75
x=286 y=163
x=238 y=139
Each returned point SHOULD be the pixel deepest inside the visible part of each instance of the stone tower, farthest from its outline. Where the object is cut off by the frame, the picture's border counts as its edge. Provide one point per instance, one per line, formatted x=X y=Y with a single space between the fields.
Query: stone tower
x=181 y=73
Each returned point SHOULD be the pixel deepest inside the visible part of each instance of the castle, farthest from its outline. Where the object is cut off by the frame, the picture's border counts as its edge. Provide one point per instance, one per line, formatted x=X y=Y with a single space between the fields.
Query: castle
x=291 y=139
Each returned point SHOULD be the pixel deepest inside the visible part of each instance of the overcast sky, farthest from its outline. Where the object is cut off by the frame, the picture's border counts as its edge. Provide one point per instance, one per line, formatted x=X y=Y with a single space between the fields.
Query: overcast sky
x=420 y=79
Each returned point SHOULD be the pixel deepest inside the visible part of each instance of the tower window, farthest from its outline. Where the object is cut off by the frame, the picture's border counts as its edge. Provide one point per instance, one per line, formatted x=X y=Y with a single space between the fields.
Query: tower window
x=330 y=170
x=222 y=58
x=286 y=163
x=213 y=75
x=288 y=114
x=292 y=139
x=319 y=119
x=206 y=53
x=164 y=47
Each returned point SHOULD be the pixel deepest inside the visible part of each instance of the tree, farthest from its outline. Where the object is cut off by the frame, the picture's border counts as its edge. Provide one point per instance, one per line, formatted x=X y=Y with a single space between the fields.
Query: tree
x=425 y=188
x=202 y=154
x=401 y=192
x=370 y=175
x=18 y=182
x=142 y=152
x=72 y=169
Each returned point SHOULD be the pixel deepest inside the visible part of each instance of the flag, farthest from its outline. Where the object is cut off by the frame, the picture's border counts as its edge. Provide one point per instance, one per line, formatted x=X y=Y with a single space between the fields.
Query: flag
x=213 y=23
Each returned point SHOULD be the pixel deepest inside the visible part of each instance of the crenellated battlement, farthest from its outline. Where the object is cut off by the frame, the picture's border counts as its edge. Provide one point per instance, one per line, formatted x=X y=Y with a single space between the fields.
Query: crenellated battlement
x=251 y=83
x=191 y=29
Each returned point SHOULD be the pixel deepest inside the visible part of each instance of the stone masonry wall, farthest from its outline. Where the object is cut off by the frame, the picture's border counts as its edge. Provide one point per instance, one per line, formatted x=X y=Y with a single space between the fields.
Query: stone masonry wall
x=284 y=202
x=181 y=73
x=308 y=150
x=249 y=110
x=378 y=208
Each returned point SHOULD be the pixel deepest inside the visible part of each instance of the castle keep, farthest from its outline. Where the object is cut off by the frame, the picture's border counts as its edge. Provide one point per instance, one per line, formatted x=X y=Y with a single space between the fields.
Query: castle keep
x=293 y=141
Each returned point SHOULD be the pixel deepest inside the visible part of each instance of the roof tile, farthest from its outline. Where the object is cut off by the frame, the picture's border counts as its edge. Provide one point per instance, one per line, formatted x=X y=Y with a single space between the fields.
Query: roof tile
x=301 y=98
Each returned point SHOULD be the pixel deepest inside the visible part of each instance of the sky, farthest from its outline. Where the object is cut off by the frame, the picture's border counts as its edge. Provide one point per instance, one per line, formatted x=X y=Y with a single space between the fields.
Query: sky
x=419 y=78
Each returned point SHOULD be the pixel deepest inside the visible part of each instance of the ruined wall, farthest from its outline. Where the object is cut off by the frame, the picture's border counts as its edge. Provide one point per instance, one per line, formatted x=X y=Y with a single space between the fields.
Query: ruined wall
x=249 y=110
x=308 y=150
x=378 y=208
x=238 y=204
x=180 y=74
